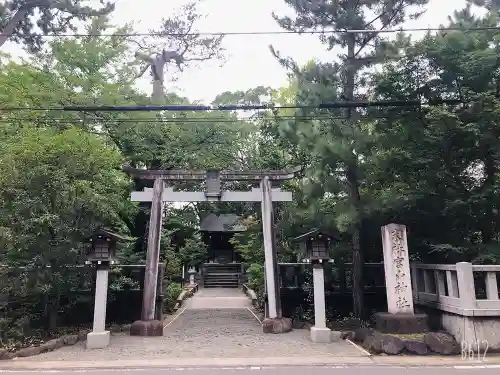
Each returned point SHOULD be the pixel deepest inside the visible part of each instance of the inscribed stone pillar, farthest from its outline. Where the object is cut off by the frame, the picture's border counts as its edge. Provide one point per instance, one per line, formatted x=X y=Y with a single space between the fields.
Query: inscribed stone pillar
x=148 y=326
x=397 y=269
x=400 y=317
x=99 y=337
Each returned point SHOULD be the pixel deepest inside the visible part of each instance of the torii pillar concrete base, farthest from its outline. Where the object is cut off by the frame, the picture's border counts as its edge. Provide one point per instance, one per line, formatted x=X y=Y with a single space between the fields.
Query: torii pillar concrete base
x=276 y=325
x=146 y=328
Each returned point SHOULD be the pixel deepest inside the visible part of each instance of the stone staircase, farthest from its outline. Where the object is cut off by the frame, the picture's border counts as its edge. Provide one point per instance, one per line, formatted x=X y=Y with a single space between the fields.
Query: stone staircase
x=221 y=275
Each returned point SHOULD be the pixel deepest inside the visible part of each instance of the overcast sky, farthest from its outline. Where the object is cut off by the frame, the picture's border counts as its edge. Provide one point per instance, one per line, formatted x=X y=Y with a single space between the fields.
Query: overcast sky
x=249 y=61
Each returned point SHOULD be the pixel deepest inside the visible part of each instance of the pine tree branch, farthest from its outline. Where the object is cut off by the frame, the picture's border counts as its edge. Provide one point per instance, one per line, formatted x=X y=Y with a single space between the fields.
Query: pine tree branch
x=375 y=33
x=65 y=6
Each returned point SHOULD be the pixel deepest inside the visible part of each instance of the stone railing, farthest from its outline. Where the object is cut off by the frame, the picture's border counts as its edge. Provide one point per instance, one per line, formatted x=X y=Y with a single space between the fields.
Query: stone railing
x=462 y=288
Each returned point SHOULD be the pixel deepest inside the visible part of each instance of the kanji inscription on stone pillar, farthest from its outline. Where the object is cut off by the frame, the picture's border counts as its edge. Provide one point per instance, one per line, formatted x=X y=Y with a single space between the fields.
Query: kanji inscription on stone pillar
x=397 y=269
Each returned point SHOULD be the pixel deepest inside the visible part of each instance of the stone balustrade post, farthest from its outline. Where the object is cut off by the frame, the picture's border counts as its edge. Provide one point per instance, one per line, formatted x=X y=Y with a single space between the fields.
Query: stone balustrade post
x=414 y=280
x=465 y=281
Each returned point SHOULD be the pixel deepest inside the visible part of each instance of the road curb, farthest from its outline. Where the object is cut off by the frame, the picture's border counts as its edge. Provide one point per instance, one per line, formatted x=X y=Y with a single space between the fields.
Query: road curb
x=429 y=361
x=220 y=363
x=214 y=363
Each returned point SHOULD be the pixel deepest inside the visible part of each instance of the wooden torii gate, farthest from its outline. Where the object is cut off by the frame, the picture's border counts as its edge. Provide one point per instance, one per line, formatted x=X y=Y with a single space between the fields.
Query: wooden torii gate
x=275 y=322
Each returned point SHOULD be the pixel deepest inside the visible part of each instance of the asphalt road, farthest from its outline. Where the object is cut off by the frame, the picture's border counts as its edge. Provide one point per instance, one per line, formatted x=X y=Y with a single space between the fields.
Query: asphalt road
x=297 y=370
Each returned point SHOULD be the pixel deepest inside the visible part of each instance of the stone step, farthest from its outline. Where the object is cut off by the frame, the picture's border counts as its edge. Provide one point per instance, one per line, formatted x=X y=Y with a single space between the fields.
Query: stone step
x=237 y=268
x=224 y=279
x=221 y=270
x=220 y=284
x=221 y=287
x=222 y=275
x=218 y=281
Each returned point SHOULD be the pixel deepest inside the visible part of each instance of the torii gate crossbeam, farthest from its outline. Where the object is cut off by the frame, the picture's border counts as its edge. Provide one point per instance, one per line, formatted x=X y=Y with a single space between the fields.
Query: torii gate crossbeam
x=169 y=195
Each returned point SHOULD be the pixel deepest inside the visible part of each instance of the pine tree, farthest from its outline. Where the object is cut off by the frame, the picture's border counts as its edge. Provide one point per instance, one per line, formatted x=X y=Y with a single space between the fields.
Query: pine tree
x=340 y=153
x=19 y=19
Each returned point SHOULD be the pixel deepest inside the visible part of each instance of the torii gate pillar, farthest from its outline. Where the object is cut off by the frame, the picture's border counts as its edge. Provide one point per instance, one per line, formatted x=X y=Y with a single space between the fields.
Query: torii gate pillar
x=148 y=325
x=275 y=322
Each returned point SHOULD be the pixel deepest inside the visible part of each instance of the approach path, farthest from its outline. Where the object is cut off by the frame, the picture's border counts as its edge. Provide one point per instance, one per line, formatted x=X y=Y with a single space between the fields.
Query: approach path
x=211 y=325
x=219 y=298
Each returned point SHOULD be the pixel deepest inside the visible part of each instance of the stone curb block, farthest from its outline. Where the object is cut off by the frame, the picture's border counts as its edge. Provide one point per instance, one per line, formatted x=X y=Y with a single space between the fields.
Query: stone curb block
x=439 y=343
x=251 y=294
x=51 y=345
x=47 y=346
x=186 y=293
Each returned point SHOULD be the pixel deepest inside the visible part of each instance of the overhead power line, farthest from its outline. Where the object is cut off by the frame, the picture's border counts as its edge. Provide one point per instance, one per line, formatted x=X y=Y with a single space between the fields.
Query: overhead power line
x=205 y=120
x=282 y=32
x=198 y=108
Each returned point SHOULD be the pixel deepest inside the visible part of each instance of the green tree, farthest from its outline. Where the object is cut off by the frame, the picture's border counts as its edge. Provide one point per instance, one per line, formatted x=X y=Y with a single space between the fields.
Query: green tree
x=249 y=244
x=443 y=162
x=176 y=42
x=19 y=19
x=55 y=189
x=194 y=251
x=338 y=145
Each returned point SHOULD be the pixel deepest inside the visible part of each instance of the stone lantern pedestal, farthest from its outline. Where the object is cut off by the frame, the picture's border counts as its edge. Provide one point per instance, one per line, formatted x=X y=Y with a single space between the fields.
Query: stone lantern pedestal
x=99 y=337
x=319 y=333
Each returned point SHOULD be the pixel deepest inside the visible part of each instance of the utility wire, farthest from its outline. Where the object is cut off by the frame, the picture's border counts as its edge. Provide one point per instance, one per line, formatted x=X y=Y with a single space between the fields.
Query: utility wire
x=173 y=120
x=284 y=32
x=198 y=108
x=152 y=120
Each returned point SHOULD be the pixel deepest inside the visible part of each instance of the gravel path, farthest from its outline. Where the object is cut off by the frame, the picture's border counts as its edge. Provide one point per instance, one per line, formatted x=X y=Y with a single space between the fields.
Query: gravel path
x=218 y=298
x=233 y=333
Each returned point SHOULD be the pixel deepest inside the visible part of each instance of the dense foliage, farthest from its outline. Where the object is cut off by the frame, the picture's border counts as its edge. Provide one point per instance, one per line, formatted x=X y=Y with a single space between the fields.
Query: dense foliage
x=435 y=168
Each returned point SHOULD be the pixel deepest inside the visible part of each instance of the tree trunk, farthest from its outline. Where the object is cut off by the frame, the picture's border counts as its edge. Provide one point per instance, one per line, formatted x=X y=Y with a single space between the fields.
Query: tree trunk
x=11 y=25
x=157 y=95
x=488 y=219
x=52 y=302
x=53 y=313
x=357 y=253
x=354 y=196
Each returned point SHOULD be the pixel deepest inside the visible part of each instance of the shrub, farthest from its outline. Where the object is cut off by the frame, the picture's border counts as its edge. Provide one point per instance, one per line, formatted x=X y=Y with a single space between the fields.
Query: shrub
x=171 y=293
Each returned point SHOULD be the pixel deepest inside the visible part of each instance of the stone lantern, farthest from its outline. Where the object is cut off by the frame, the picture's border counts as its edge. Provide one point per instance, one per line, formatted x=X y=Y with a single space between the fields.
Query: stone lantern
x=102 y=254
x=192 y=274
x=316 y=245
x=102 y=251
